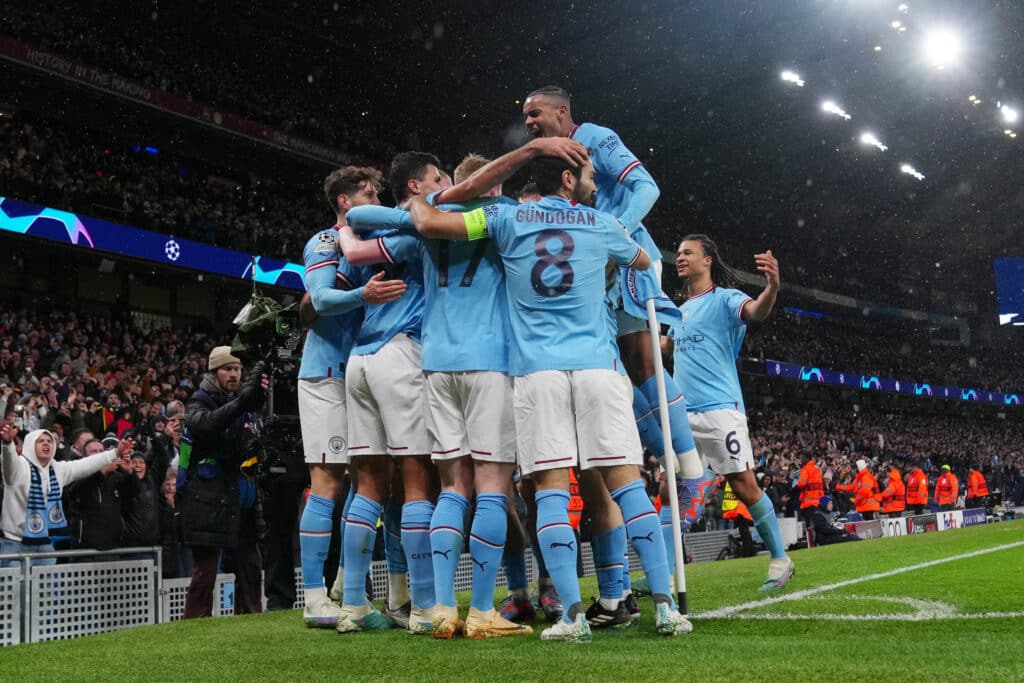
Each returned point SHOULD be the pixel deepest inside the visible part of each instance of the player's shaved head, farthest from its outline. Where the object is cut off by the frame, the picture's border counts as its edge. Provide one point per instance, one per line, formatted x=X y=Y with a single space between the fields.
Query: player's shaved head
x=554 y=93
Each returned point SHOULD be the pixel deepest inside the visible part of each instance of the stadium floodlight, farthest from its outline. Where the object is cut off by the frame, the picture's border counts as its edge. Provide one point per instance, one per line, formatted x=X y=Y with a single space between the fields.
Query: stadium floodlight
x=831 y=107
x=910 y=170
x=870 y=139
x=903 y=8
x=792 y=77
x=942 y=48
x=1010 y=115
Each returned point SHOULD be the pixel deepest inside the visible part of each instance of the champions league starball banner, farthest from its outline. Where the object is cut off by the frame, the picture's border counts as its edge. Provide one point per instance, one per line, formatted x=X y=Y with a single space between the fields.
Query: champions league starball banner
x=91 y=233
x=851 y=380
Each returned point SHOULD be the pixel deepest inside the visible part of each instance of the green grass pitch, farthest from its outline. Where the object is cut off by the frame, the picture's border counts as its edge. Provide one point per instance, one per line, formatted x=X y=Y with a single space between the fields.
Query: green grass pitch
x=955 y=618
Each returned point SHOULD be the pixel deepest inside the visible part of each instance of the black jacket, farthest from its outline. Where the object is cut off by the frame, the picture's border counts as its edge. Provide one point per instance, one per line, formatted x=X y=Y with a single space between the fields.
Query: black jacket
x=142 y=513
x=94 y=509
x=208 y=500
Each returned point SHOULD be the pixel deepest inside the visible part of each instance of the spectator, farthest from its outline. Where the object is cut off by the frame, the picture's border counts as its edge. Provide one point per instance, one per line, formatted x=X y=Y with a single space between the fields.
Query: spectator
x=94 y=503
x=33 y=481
x=823 y=525
x=142 y=511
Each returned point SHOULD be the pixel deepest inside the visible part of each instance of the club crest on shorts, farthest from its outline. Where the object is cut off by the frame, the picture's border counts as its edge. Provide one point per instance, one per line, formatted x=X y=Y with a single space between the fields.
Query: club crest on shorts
x=36 y=523
x=336 y=445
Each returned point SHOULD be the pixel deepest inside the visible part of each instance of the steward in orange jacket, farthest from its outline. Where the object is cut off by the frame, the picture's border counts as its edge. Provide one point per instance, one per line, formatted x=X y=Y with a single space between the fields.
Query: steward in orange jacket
x=917 y=490
x=812 y=488
x=894 y=497
x=865 y=491
x=977 y=490
x=947 y=488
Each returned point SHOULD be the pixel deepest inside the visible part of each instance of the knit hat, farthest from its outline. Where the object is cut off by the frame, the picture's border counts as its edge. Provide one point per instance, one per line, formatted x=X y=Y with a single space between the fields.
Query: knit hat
x=946 y=467
x=221 y=356
x=823 y=503
x=861 y=464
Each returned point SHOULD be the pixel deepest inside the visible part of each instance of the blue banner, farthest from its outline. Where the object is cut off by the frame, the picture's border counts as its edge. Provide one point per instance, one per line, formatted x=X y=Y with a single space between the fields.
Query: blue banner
x=1010 y=287
x=808 y=373
x=975 y=516
x=92 y=233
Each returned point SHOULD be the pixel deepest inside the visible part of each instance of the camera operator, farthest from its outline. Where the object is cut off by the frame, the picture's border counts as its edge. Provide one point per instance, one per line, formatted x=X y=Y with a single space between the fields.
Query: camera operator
x=215 y=502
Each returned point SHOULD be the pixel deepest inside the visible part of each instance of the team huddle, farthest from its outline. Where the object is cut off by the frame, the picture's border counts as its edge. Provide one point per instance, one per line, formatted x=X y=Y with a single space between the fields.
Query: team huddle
x=467 y=337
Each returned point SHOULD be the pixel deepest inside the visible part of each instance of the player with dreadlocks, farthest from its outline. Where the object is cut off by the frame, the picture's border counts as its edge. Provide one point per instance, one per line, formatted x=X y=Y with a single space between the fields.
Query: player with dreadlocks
x=706 y=342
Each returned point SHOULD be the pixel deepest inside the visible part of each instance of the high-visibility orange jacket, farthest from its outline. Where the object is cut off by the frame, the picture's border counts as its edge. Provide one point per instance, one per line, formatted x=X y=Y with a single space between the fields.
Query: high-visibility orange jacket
x=865 y=491
x=917 y=487
x=976 y=485
x=946 y=489
x=733 y=507
x=575 y=501
x=811 y=485
x=894 y=497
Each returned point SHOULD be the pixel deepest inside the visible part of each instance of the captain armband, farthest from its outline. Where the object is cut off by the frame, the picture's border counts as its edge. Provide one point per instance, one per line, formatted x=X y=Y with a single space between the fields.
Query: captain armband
x=476 y=224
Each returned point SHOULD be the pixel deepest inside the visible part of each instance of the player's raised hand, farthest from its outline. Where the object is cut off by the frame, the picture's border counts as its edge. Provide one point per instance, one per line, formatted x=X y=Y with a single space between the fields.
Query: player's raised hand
x=380 y=291
x=768 y=266
x=563 y=148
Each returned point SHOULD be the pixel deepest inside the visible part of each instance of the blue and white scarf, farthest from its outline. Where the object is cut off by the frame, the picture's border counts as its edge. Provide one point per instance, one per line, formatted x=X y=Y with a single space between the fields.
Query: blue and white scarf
x=44 y=517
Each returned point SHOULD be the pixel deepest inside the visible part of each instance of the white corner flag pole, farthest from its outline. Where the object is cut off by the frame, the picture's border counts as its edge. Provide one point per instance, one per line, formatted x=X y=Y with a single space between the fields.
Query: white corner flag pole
x=670 y=456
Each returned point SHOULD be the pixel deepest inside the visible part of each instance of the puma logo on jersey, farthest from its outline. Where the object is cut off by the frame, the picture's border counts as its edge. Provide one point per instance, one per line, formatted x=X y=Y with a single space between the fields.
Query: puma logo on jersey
x=443 y=553
x=571 y=545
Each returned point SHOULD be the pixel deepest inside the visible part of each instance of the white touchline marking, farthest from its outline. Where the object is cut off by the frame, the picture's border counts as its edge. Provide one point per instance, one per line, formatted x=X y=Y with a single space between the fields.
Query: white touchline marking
x=722 y=612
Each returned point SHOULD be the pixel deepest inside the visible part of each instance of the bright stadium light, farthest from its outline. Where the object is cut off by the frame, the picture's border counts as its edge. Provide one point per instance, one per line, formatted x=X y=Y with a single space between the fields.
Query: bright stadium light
x=831 y=107
x=792 y=77
x=1010 y=115
x=942 y=48
x=910 y=170
x=870 y=139
x=903 y=8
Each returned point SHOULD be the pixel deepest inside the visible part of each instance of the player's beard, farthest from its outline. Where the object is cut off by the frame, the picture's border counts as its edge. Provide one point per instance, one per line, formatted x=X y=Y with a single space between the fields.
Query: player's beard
x=590 y=199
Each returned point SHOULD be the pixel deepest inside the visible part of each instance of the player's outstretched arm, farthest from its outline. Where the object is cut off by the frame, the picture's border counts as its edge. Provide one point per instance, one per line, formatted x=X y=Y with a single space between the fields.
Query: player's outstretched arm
x=644 y=193
x=372 y=217
x=761 y=307
x=357 y=251
x=499 y=170
x=448 y=226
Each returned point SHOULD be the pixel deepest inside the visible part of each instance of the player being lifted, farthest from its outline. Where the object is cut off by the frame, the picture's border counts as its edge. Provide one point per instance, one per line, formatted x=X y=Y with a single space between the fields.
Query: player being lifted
x=571 y=406
x=627 y=191
x=321 y=387
x=706 y=344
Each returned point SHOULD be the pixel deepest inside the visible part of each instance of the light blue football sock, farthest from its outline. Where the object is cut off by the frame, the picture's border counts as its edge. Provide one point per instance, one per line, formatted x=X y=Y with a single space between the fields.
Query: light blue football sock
x=558 y=545
x=446 y=542
x=360 y=535
x=665 y=517
x=315 y=539
x=394 y=553
x=608 y=547
x=767 y=524
x=645 y=533
x=341 y=522
x=416 y=539
x=486 y=541
x=647 y=423
x=682 y=436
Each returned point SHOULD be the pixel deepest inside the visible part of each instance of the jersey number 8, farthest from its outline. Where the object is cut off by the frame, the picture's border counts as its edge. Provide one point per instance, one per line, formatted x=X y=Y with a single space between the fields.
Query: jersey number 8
x=546 y=259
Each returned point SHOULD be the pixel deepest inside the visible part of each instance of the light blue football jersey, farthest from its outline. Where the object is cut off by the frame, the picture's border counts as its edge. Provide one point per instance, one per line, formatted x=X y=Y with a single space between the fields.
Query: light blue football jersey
x=381 y=322
x=330 y=337
x=615 y=166
x=706 y=345
x=465 y=316
x=555 y=252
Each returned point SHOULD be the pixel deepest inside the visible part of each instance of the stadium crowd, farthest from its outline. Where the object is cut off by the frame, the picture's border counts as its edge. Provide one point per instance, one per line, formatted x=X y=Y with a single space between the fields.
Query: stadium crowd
x=92 y=378
x=155 y=59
